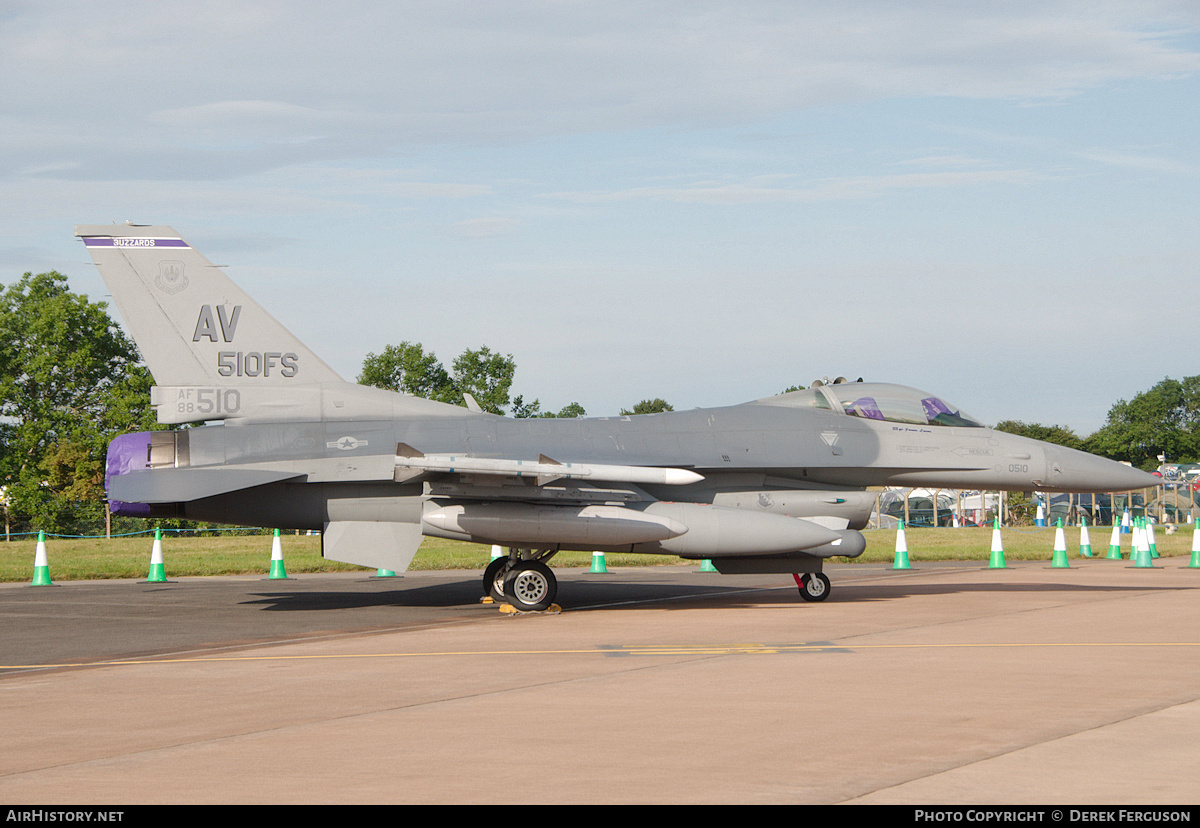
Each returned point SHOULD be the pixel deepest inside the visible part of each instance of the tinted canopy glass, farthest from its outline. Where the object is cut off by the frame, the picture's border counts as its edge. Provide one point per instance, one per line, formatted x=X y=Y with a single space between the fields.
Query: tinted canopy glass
x=897 y=404
x=879 y=401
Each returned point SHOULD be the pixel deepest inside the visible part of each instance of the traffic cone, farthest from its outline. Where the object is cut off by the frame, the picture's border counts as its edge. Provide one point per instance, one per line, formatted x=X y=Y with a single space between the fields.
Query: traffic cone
x=1040 y=520
x=158 y=573
x=278 y=570
x=1114 y=542
x=385 y=573
x=1085 y=540
x=1142 y=559
x=598 y=564
x=1195 y=564
x=1150 y=541
x=901 y=560
x=997 y=561
x=41 y=568
x=706 y=565
x=1126 y=524
x=1060 y=548
x=497 y=552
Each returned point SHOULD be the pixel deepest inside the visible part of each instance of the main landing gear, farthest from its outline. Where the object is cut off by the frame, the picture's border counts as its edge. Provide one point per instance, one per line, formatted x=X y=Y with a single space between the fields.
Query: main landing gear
x=524 y=582
x=814 y=586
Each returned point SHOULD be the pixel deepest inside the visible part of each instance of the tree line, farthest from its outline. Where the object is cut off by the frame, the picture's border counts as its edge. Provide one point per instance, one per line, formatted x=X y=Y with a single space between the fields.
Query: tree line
x=71 y=380
x=1164 y=420
x=486 y=376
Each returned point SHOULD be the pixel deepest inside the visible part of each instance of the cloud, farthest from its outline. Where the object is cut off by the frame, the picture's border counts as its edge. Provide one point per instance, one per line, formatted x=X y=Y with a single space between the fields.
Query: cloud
x=240 y=120
x=1138 y=161
x=831 y=189
x=479 y=228
x=237 y=88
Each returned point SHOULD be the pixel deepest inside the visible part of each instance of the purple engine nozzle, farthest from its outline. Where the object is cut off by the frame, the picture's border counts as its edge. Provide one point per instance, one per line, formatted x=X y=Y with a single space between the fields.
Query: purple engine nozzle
x=129 y=452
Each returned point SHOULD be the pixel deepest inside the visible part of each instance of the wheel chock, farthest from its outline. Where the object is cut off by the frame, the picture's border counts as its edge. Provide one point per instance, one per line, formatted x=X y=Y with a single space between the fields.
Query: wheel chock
x=509 y=609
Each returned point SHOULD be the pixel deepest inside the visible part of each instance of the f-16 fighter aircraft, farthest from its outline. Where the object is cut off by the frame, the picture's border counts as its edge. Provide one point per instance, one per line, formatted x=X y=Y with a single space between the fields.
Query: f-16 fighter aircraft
x=773 y=485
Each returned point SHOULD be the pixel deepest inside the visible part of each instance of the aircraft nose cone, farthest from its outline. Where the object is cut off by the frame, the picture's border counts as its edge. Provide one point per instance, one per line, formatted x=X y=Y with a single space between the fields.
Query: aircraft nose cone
x=1068 y=470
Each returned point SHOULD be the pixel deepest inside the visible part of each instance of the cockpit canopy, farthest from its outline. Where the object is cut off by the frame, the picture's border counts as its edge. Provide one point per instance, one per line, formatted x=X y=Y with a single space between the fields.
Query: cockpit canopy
x=878 y=401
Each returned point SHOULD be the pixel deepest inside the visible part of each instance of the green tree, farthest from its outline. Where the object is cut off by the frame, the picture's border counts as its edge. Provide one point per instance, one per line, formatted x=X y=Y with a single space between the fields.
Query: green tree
x=1060 y=435
x=408 y=369
x=568 y=411
x=1163 y=420
x=1021 y=507
x=69 y=382
x=520 y=410
x=654 y=406
x=485 y=375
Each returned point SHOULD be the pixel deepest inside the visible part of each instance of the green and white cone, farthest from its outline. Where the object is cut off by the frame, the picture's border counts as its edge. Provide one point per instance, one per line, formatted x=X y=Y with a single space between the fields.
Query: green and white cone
x=1085 y=540
x=1060 y=548
x=158 y=573
x=706 y=565
x=901 y=560
x=41 y=567
x=598 y=564
x=1150 y=541
x=1141 y=555
x=497 y=551
x=1195 y=564
x=278 y=570
x=385 y=573
x=997 y=561
x=1114 y=541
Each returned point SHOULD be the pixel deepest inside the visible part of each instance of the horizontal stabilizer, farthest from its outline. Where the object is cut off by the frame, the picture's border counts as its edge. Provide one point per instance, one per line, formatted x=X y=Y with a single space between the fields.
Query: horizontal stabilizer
x=184 y=485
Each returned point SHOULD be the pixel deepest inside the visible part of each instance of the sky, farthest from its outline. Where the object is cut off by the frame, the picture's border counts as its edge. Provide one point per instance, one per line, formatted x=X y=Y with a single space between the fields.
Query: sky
x=706 y=202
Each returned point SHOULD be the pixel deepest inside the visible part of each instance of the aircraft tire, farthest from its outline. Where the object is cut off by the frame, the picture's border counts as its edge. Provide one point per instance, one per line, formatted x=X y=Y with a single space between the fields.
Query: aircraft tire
x=814 y=586
x=493 y=579
x=530 y=586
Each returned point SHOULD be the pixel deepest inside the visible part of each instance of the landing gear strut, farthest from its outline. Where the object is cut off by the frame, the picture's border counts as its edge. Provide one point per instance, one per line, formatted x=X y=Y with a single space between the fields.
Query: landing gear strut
x=525 y=583
x=814 y=586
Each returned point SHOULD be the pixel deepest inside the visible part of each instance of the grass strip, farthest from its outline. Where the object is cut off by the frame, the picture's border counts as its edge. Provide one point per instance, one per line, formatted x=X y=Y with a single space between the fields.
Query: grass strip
x=73 y=559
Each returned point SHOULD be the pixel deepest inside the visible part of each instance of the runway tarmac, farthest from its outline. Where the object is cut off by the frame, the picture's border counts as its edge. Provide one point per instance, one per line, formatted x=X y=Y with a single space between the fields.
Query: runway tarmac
x=944 y=684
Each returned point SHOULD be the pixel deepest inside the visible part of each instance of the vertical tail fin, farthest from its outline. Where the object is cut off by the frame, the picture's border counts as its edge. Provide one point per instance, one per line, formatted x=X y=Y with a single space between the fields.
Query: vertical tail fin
x=193 y=325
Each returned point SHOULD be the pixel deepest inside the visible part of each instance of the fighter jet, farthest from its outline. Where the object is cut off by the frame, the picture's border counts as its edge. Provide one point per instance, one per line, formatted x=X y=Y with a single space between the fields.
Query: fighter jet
x=773 y=485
